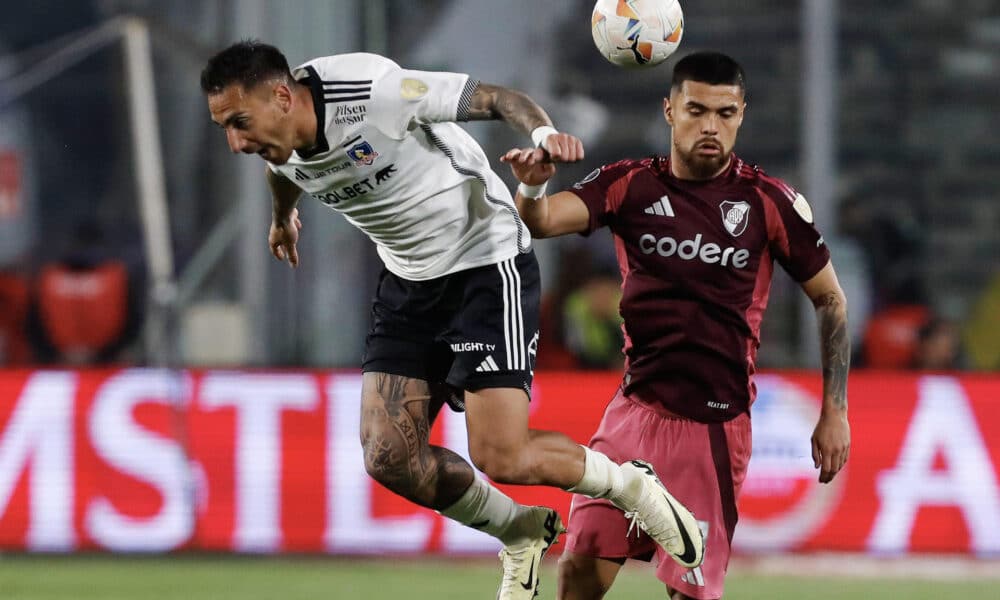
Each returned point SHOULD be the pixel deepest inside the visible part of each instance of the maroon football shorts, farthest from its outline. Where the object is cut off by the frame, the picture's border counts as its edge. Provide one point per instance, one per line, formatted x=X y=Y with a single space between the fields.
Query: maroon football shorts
x=703 y=465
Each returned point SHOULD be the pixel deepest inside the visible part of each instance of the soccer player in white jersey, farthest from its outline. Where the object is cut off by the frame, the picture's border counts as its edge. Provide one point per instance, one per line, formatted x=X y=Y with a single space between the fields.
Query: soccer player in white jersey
x=455 y=317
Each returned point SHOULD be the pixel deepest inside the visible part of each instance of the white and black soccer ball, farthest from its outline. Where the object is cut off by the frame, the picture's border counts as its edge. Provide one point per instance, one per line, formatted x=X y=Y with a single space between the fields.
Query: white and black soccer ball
x=637 y=33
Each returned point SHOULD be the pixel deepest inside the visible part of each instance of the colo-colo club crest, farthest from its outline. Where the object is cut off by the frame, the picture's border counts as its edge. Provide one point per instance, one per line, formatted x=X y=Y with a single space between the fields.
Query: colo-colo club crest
x=735 y=216
x=361 y=152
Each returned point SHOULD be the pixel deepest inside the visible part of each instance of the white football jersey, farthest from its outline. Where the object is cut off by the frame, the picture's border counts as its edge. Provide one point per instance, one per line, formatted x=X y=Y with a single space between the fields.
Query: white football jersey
x=390 y=158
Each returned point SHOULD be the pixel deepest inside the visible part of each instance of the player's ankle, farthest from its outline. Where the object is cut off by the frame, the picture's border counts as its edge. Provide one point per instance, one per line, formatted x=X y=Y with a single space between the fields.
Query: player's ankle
x=521 y=529
x=485 y=508
x=631 y=490
x=602 y=478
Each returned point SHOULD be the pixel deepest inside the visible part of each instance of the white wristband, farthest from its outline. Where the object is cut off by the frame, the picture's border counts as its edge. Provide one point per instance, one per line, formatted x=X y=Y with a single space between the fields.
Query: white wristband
x=539 y=134
x=532 y=191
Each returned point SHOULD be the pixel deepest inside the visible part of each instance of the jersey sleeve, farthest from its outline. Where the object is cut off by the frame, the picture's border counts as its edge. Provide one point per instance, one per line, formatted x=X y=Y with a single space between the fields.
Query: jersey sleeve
x=403 y=99
x=794 y=240
x=603 y=191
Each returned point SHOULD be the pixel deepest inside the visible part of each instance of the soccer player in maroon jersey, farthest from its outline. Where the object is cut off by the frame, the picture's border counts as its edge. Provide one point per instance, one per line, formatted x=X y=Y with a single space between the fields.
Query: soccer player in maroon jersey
x=696 y=234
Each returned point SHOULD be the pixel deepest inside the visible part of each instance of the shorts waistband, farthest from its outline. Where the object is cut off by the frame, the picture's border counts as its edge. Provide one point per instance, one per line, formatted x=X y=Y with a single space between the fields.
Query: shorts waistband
x=654 y=407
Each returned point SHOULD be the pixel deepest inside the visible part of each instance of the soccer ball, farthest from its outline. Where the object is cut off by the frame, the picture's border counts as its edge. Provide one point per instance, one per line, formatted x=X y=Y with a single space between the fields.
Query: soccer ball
x=637 y=33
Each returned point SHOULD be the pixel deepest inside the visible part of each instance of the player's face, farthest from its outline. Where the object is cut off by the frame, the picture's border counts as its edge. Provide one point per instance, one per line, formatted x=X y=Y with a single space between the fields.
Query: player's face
x=703 y=120
x=256 y=121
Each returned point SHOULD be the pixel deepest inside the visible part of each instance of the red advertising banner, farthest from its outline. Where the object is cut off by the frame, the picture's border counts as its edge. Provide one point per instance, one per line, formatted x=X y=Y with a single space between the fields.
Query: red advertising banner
x=147 y=460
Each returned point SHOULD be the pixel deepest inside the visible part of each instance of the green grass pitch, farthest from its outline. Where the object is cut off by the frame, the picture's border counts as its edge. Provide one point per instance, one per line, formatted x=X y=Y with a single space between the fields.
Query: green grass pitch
x=196 y=577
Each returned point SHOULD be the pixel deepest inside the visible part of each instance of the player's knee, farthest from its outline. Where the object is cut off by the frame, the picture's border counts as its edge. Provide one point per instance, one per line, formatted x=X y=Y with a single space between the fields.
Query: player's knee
x=496 y=468
x=500 y=466
x=385 y=456
x=576 y=582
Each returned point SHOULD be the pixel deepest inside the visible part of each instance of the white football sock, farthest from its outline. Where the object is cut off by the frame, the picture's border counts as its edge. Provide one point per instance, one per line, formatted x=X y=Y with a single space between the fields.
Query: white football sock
x=602 y=478
x=487 y=509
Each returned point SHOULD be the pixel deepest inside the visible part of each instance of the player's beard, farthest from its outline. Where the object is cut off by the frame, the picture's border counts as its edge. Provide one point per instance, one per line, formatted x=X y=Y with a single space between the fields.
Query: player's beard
x=703 y=167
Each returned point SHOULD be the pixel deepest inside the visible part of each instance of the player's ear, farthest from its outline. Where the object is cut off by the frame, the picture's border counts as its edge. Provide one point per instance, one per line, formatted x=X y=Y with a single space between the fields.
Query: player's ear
x=668 y=113
x=283 y=96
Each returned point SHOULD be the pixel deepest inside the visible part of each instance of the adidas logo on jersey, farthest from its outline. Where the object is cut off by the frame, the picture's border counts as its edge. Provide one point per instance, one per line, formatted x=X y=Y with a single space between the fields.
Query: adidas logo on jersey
x=661 y=207
x=488 y=365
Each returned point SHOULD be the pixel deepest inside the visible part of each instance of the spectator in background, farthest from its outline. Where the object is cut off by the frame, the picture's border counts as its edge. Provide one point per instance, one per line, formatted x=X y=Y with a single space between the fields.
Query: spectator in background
x=854 y=273
x=980 y=332
x=592 y=325
x=939 y=346
x=912 y=336
x=579 y=330
x=891 y=336
x=893 y=244
x=15 y=299
x=84 y=315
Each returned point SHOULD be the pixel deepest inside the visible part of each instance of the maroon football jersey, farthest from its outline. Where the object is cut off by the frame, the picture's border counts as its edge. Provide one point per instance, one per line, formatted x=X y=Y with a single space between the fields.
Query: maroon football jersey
x=696 y=260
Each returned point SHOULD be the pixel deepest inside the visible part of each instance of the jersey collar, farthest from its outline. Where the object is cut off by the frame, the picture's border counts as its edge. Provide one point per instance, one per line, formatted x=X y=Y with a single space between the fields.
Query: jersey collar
x=735 y=164
x=310 y=77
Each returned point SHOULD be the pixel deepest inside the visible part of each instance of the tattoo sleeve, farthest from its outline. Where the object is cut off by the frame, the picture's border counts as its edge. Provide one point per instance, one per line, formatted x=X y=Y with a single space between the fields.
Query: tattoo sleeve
x=395 y=433
x=835 y=343
x=490 y=102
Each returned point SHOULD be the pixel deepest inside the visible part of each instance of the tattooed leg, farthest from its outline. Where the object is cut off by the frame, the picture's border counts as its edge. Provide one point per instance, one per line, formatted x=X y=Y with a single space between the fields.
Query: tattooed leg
x=395 y=432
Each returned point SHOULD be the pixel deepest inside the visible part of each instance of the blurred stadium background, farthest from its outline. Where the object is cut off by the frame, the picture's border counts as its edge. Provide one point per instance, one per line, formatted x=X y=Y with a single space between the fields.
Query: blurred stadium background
x=178 y=412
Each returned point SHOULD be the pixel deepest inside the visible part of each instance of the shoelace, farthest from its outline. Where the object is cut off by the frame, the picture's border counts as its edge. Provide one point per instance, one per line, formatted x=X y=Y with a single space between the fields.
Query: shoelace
x=643 y=526
x=512 y=562
x=634 y=516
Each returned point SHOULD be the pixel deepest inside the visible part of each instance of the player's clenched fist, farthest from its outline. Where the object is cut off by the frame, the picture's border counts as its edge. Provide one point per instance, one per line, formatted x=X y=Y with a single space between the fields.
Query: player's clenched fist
x=563 y=147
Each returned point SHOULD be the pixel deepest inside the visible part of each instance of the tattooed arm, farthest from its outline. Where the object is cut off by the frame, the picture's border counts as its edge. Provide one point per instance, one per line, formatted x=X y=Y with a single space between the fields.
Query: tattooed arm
x=835 y=344
x=492 y=102
x=831 y=440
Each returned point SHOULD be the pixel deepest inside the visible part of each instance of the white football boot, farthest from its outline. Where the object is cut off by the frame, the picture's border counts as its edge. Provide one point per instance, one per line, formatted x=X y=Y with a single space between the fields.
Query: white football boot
x=663 y=518
x=521 y=562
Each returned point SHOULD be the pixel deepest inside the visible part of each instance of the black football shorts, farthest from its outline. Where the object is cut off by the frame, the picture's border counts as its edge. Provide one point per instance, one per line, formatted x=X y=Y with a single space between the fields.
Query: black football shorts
x=473 y=329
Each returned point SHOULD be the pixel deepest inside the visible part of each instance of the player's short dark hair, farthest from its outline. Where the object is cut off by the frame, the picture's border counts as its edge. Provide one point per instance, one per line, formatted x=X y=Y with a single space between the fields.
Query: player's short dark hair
x=713 y=68
x=247 y=63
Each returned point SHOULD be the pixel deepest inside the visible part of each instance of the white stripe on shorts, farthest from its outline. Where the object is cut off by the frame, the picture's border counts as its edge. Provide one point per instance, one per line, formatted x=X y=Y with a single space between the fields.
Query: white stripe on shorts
x=519 y=349
x=513 y=318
